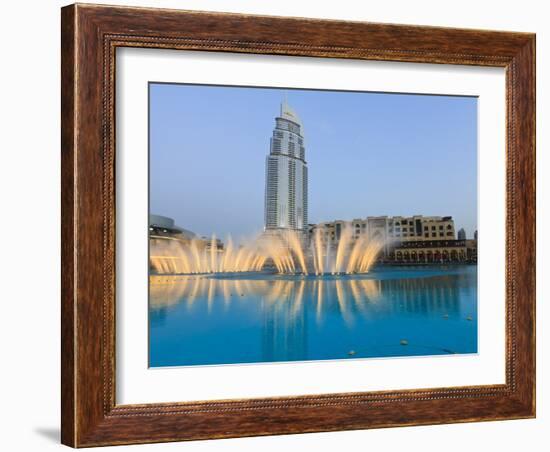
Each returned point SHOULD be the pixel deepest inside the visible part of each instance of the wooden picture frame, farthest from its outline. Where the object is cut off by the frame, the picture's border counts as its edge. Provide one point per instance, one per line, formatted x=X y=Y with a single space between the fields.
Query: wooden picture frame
x=90 y=35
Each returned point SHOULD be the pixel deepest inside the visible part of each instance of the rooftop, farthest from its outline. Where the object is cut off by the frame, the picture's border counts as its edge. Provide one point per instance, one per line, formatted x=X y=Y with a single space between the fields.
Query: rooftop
x=288 y=113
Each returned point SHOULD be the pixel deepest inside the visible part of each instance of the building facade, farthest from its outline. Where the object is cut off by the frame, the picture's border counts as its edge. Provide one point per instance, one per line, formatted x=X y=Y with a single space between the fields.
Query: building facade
x=389 y=229
x=429 y=252
x=163 y=229
x=286 y=187
x=416 y=239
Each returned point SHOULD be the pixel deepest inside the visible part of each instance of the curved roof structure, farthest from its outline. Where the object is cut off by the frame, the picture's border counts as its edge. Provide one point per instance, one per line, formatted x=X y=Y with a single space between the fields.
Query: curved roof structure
x=161 y=221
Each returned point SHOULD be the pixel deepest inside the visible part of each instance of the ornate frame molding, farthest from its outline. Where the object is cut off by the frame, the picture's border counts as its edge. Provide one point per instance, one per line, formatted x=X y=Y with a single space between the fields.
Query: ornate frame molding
x=90 y=37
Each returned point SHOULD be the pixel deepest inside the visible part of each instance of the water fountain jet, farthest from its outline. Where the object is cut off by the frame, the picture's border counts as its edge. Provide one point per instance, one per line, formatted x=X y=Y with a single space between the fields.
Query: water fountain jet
x=287 y=253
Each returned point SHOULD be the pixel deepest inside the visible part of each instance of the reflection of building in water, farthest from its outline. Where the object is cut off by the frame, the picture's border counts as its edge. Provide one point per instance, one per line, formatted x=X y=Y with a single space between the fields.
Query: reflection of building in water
x=165 y=291
x=287 y=308
x=286 y=299
x=284 y=331
x=436 y=295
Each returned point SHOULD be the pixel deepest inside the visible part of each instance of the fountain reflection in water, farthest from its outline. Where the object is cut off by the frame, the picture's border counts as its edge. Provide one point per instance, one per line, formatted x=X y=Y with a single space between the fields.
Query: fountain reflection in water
x=287 y=253
x=258 y=317
x=349 y=294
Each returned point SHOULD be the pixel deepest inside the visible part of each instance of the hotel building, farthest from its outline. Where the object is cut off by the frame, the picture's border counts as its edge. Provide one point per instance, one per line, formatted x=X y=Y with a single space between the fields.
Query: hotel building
x=286 y=186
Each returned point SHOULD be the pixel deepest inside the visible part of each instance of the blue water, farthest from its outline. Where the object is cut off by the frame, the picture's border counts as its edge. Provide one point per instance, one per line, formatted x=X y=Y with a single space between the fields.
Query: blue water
x=391 y=311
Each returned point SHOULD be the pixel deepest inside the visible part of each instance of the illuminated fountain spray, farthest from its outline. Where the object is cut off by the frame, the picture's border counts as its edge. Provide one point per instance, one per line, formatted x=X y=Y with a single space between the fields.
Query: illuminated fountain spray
x=175 y=257
x=350 y=256
x=286 y=253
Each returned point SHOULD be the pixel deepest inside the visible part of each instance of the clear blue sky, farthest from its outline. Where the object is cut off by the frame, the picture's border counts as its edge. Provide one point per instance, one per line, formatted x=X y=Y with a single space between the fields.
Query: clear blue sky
x=367 y=153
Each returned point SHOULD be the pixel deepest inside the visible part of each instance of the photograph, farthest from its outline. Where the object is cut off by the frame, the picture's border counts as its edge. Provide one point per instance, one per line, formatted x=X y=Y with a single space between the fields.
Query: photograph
x=291 y=224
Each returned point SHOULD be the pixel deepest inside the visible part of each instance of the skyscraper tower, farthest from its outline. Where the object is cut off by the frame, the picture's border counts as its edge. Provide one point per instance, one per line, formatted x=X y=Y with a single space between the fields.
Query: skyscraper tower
x=286 y=175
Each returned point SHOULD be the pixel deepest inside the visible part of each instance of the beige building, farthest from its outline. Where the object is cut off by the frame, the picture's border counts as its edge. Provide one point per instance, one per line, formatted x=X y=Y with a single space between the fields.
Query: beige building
x=471 y=249
x=389 y=229
x=416 y=239
x=429 y=251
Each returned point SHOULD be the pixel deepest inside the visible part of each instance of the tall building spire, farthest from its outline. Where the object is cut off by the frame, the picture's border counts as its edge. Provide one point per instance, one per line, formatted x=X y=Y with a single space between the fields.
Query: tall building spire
x=286 y=191
x=288 y=113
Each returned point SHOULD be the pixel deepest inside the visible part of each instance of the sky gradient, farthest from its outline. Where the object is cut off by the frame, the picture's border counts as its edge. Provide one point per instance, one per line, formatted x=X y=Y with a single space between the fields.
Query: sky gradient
x=368 y=154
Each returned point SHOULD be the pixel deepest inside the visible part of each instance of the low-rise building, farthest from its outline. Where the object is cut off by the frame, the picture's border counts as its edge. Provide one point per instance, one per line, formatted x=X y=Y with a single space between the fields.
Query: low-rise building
x=163 y=228
x=416 y=239
x=428 y=252
x=388 y=229
x=471 y=250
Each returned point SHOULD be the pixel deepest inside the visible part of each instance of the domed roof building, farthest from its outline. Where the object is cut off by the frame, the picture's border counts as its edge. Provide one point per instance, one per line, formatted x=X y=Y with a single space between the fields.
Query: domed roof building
x=161 y=226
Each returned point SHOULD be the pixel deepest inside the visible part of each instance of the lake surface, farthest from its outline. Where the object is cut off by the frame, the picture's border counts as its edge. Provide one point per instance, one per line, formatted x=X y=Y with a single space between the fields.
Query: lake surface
x=389 y=312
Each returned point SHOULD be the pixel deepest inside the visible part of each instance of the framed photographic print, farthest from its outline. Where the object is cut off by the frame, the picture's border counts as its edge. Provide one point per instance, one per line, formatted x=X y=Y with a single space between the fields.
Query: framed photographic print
x=281 y=225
